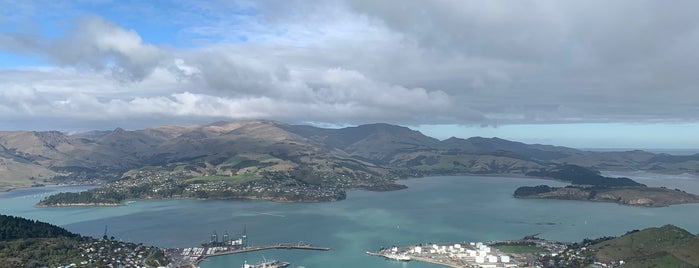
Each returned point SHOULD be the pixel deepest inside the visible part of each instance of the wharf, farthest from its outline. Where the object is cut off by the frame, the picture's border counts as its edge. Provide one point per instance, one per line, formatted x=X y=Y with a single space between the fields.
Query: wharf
x=260 y=248
x=277 y=246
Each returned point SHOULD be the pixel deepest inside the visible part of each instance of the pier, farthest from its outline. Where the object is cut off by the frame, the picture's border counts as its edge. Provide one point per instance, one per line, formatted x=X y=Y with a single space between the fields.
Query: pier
x=189 y=257
x=199 y=254
x=298 y=246
x=277 y=246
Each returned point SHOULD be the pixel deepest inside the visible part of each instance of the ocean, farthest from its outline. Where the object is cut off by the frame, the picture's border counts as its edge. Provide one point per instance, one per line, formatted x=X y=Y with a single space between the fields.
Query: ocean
x=434 y=209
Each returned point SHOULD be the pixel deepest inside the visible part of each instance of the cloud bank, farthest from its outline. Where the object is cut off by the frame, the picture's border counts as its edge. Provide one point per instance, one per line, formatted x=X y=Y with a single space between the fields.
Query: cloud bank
x=350 y=62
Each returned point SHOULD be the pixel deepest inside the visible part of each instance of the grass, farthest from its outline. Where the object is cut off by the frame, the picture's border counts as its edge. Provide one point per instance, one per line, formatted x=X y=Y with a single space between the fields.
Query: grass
x=228 y=179
x=520 y=249
x=666 y=246
x=265 y=158
x=15 y=174
x=658 y=260
x=668 y=261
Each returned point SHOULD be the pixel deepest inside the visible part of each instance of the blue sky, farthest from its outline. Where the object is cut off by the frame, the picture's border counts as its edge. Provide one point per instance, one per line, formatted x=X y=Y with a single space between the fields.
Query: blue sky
x=584 y=136
x=586 y=74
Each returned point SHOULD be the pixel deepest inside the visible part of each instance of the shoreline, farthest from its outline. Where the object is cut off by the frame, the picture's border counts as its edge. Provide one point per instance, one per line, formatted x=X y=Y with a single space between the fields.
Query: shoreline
x=282 y=200
x=125 y=202
x=650 y=197
x=428 y=260
x=415 y=258
x=81 y=205
x=12 y=188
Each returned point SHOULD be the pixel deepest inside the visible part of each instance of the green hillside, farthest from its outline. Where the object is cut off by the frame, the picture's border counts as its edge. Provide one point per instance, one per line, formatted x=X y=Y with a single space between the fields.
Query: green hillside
x=667 y=246
x=29 y=243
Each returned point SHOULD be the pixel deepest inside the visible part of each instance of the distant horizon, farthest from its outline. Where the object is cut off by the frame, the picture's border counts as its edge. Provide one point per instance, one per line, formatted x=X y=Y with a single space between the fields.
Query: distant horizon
x=442 y=132
x=671 y=151
x=581 y=74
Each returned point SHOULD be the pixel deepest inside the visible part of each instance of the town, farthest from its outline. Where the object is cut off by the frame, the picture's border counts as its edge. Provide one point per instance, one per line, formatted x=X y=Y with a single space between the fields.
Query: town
x=112 y=253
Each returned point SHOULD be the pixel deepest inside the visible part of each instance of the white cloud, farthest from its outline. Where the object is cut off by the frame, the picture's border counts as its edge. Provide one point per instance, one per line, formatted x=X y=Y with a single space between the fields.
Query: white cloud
x=338 y=62
x=100 y=44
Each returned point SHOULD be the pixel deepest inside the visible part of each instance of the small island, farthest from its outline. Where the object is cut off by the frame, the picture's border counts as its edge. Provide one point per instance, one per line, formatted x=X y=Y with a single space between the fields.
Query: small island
x=589 y=185
x=629 y=195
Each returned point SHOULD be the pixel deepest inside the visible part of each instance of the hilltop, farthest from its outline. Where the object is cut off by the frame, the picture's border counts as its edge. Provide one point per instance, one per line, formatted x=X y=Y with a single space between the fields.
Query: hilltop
x=666 y=246
x=278 y=161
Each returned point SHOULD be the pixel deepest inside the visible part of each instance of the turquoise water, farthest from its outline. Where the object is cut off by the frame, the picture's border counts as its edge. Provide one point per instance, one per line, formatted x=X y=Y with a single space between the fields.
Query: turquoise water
x=436 y=209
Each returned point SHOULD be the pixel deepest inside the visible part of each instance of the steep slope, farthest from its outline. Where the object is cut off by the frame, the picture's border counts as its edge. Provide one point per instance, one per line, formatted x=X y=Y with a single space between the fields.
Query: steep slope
x=667 y=246
x=410 y=153
x=610 y=160
x=479 y=145
x=378 y=143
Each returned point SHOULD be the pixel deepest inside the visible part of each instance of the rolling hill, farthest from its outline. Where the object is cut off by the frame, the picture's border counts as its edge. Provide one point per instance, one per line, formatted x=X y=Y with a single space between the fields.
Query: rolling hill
x=666 y=246
x=259 y=152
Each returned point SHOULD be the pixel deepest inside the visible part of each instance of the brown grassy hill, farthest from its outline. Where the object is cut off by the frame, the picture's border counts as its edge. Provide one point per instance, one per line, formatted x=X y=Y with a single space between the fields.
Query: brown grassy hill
x=250 y=148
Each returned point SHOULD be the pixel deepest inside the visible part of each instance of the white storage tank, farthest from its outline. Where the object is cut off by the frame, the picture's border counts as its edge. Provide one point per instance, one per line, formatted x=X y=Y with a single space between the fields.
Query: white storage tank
x=492 y=258
x=505 y=258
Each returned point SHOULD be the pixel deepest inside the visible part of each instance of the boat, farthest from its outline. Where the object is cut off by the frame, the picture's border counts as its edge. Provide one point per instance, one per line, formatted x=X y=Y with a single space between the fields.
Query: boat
x=266 y=264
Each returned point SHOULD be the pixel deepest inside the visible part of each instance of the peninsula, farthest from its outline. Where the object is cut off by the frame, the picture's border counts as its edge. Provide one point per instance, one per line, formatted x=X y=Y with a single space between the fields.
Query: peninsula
x=588 y=185
x=627 y=195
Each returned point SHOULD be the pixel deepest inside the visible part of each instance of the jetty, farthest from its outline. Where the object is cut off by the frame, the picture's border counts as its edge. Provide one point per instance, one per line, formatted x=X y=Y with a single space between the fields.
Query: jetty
x=277 y=246
x=186 y=257
x=196 y=255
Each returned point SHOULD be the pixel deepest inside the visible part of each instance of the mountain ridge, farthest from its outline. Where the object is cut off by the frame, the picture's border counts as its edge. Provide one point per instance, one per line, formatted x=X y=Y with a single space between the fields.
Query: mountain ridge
x=264 y=151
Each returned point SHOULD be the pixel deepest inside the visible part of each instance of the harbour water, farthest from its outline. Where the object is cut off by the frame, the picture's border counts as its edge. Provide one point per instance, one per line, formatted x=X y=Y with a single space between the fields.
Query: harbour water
x=434 y=209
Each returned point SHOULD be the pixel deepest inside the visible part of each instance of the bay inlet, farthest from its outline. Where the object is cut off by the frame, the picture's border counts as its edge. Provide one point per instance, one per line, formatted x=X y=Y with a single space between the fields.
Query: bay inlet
x=431 y=210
